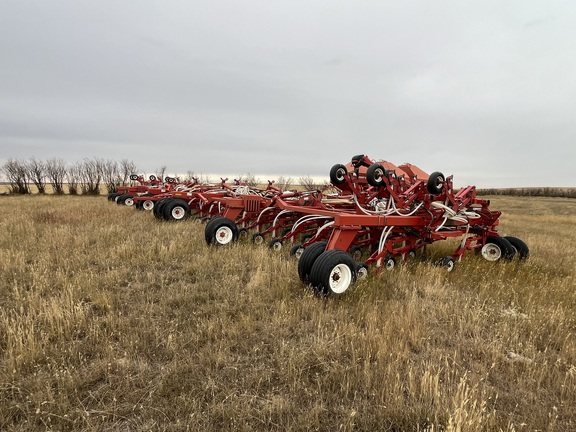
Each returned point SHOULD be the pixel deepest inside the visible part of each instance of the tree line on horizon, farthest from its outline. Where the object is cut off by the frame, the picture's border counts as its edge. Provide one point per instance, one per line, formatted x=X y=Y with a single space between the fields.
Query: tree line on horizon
x=88 y=176
x=551 y=192
x=83 y=177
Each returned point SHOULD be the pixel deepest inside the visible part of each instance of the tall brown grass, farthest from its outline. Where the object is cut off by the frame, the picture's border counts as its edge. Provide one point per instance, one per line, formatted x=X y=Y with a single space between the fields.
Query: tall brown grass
x=111 y=320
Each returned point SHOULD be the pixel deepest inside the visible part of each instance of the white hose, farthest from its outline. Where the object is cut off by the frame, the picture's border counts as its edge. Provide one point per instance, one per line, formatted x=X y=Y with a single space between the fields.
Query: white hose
x=278 y=215
x=262 y=212
x=308 y=218
x=323 y=227
x=383 y=237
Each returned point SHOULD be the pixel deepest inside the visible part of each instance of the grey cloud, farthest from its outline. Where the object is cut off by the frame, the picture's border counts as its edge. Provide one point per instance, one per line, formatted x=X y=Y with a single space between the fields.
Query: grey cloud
x=478 y=90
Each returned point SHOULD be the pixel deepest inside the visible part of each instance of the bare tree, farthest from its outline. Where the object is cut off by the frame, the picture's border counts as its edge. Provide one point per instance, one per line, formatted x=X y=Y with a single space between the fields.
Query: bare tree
x=17 y=175
x=250 y=180
x=204 y=179
x=127 y=168
x=161 y=173
x=190 y=176
x=56 y=173
x=111 y=176
x=284 y=182
x=73 y=176
x=91 y=176
x=308 y=183
x=37 y=173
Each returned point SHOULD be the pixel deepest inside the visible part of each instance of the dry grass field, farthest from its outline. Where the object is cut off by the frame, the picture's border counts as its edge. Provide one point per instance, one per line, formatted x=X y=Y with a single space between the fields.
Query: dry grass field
x=113 y=321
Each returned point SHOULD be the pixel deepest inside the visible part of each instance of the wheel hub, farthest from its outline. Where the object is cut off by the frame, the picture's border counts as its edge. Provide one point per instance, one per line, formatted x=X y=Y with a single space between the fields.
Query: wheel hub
x=340 y=278
x=224 y=235
x=491 y=252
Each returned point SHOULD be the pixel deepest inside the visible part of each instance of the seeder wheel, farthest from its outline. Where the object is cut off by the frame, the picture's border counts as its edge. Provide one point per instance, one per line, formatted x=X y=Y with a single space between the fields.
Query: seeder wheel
x=147 y=205
x=220 y=231
x=258 y=239
x=497 y=248
x=333 y=272
x=275 y=244
x=375 y=175
x=338 y=174
x=297 y=251
x=448 y=263
x=519 y=246
x=176 y=210
x=435 y=183
x=306 y=261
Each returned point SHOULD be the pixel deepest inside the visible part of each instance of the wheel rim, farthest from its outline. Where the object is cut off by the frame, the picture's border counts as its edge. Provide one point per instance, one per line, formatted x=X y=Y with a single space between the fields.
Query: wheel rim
x=362 y=273
x=299 y=252
x=491 y=252
x=340 y=174
x=340 y=278
x=378 y=175
x=259 y=239
x=129 y=201
x=224 y=235
x=389 y=264
x=178 y=213
x=148 y=205
x=449 y=266
x=277 y=246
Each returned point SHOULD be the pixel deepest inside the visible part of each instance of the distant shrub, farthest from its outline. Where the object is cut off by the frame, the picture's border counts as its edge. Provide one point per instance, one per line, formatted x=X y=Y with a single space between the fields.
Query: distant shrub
x=535 y=192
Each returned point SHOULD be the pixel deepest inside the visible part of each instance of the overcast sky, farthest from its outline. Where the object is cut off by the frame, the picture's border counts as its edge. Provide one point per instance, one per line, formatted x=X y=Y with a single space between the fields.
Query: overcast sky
x=484 y=90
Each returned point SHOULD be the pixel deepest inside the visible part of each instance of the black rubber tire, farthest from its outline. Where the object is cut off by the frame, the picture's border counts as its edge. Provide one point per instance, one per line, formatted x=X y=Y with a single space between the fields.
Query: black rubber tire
x=522 y=250
x=375 y=175
x=138 y=205
x=121 y=200
x=294 y=249
x=273 y=244
x=258 y=238
x=507 y=251
x=306 y=261
x=361 y=270
x=133 y=176
x=112 y=196
x=148 y=205
x=338 y=174
x=448 y=263
x=320 y=275
x=435 y=183
x=389 y=262
x=216 y=223
x=357 y=160
x=159 y=207
x=152 y=177
x=178 y=205
x=356 y=252
x=209 y=229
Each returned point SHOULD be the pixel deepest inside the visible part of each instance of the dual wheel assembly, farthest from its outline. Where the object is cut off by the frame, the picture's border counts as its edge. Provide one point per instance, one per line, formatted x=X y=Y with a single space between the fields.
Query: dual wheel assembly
x=328 y=272
x=333 y=272
x=170 y=209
